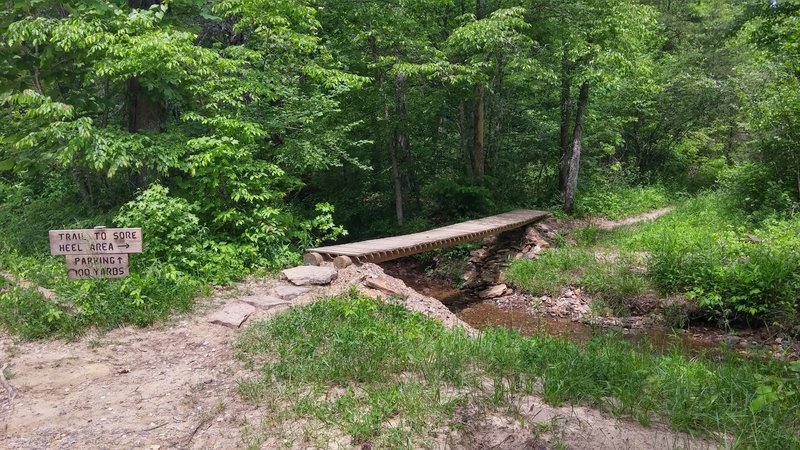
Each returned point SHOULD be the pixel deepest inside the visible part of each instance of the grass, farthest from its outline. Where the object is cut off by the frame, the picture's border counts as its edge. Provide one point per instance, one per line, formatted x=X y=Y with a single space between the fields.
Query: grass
x=379 y=374
x=143 y=298
x=612 y=278
x=733 y=268
x=621 y=200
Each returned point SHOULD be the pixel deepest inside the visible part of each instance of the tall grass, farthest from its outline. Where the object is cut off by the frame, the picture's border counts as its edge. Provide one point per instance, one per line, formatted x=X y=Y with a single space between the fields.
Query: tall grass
x=384 y=375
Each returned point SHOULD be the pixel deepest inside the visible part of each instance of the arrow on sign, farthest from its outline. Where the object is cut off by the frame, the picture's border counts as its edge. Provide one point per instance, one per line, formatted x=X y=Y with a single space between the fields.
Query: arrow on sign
x=124 y=245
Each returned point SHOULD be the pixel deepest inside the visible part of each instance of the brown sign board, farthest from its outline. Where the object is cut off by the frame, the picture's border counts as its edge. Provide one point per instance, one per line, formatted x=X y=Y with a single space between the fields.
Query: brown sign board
x=97 y=241
x=97 y=266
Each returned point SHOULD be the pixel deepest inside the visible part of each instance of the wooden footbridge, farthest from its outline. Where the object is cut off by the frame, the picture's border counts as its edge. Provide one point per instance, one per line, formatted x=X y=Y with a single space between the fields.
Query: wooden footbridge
x=386 y=249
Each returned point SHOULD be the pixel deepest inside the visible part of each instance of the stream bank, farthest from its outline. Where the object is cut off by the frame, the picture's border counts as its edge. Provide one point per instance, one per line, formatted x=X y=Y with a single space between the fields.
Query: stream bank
x=471 y=283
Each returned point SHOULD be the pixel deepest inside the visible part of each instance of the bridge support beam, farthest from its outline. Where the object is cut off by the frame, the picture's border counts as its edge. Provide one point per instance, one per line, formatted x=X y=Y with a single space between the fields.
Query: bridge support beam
x=340 y=262
x=313 y=259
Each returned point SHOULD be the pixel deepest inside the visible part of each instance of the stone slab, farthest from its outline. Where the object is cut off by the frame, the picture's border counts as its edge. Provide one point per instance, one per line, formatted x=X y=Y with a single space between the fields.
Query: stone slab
x=289 y=292
x=265 y=301
x=305 y=275
x=232 y=315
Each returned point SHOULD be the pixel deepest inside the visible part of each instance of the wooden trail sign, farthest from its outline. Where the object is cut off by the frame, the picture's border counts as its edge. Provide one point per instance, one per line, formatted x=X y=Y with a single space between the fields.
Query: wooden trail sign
x=109 y=241
x=96 y=253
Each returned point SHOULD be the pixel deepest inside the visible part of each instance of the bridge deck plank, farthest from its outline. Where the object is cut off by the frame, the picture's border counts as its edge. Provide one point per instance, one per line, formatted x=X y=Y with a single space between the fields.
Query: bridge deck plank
x=384 y=249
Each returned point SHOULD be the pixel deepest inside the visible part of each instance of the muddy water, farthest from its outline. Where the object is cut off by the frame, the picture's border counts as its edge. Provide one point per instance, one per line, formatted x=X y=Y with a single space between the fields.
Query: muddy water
x=485 y=313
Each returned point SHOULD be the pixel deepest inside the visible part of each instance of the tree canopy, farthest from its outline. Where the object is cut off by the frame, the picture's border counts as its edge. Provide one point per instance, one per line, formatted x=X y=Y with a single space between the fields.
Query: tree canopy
x=273 y=125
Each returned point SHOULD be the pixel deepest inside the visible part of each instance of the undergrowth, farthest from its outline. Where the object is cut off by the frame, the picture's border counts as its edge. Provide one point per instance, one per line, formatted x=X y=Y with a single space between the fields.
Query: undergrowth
x=734 y=267
x=145 y=297
x=386 y=376
x=619 y=200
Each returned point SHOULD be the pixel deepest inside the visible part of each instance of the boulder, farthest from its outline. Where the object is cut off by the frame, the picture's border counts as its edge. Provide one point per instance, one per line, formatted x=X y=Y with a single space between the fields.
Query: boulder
x=232 y=315
x=382 y=284
x=492 y=292
x=305 y=275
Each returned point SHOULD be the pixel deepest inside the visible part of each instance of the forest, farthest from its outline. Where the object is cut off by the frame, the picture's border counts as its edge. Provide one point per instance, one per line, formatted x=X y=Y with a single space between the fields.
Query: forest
x=239 y=133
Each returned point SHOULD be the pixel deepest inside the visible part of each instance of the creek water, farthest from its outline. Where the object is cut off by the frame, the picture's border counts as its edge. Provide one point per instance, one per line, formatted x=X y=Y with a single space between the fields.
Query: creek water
x=485 y=313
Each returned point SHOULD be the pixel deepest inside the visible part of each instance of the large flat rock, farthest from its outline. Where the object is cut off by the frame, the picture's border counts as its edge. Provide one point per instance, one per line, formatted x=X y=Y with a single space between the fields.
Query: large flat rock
x=265 y=302
x=305 y=275
x=289 y=292
x=232 y=315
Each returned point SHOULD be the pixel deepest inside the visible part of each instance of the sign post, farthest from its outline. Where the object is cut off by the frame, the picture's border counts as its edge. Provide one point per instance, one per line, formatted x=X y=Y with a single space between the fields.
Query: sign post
x=96 y=253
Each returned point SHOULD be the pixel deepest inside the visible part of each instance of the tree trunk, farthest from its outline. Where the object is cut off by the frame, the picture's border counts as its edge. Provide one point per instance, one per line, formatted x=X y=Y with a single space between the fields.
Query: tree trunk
x=577 y=141
x=478 y=148
x=398 y=183
x=399 y=146
x=495 y=116
x=144 y=113
x=466 y=152
x=563 y=162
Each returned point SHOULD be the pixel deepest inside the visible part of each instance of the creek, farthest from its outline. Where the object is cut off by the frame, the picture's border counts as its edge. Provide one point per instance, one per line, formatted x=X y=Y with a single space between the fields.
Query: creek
x=481 y=314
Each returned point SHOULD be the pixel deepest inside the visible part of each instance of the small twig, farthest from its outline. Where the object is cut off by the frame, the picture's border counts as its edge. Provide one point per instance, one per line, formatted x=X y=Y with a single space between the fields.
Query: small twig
x=155 y=427
x=203 y=421
x=9 y=390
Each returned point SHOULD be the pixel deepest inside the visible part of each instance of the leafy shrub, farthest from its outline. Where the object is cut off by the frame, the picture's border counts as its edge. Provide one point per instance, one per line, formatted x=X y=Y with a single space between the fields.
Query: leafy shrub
x=732 y=272
x=174 y=237
x=753 y=188
x=704 y=175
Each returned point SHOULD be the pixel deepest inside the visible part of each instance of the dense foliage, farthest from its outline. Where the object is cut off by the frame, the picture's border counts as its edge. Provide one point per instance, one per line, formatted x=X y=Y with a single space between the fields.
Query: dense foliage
x=238 y=132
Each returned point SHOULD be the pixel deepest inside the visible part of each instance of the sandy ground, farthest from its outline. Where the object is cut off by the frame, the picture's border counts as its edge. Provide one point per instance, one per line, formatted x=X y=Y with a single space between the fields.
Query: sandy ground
x=175 y=386
x=171 y=386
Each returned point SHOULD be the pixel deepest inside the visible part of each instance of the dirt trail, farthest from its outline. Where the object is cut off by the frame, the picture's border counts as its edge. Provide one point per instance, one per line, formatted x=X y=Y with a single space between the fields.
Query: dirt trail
x=607 y=224
x=168 y=387
x=175 y=386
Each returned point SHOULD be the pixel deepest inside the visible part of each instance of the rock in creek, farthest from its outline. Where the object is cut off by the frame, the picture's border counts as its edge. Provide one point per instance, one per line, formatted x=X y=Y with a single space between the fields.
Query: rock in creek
x=305 y=275
x=492 y=292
